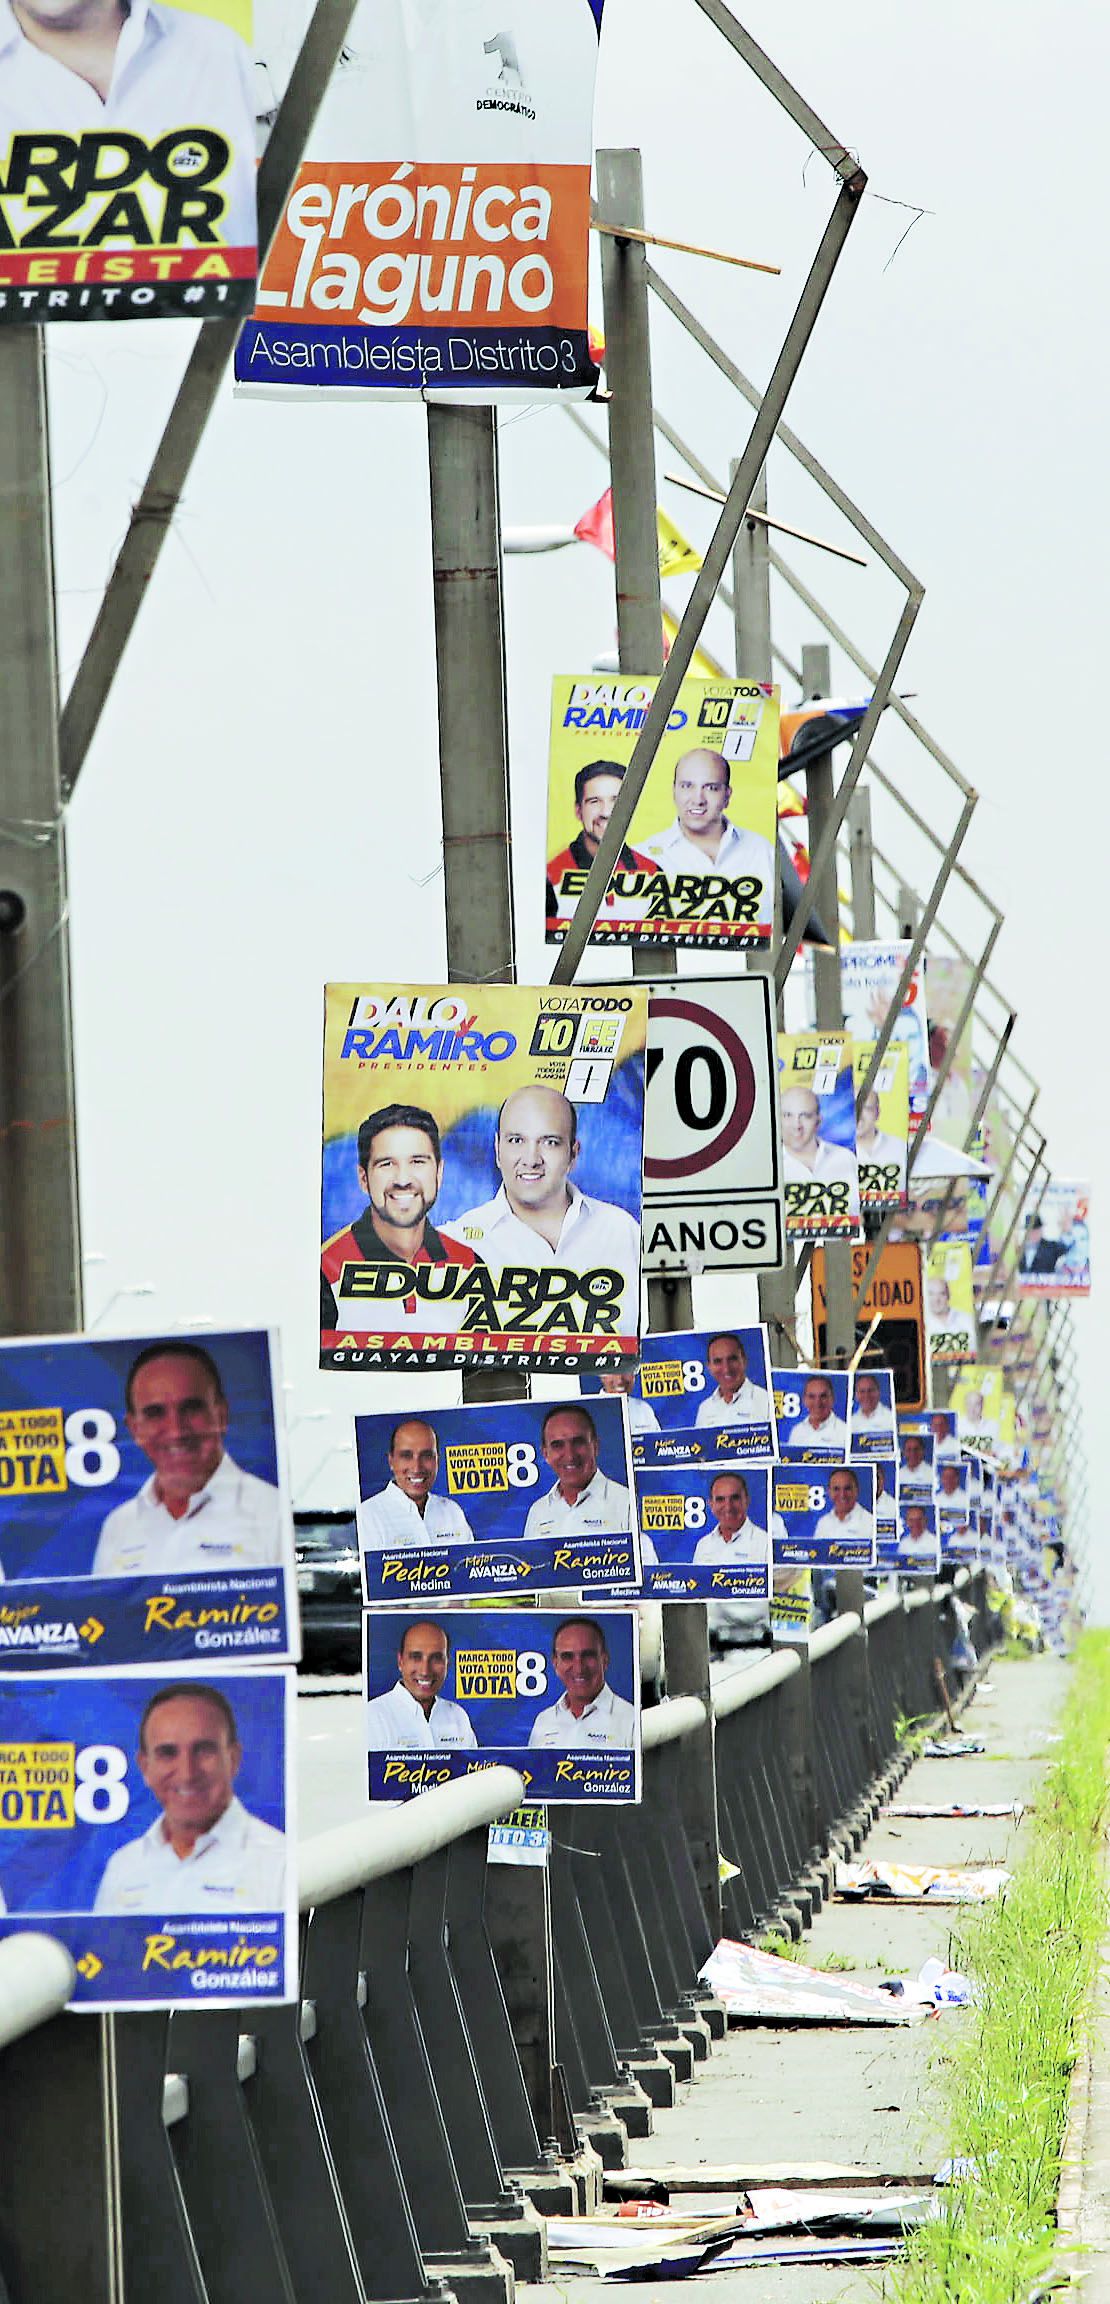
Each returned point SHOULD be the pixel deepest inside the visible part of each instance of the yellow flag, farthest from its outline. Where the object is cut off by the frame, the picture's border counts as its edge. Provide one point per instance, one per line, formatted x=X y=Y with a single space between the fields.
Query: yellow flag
x=676 y=556
x=703 y=666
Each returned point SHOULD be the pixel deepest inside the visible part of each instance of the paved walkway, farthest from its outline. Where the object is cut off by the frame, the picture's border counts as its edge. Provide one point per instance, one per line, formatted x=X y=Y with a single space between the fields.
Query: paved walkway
x=866 y=2098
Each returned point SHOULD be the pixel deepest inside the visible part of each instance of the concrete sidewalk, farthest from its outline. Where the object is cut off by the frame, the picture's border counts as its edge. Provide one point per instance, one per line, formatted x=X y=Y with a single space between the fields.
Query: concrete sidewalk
x=865 y=2098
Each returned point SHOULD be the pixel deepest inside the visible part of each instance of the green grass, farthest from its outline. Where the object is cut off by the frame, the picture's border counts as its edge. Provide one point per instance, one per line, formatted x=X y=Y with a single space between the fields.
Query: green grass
x=1006 y=2073
x=784 y=1947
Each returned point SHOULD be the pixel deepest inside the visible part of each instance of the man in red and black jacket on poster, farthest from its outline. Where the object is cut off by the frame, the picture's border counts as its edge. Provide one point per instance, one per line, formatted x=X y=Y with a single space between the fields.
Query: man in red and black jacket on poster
x=400 y=1169
x=595 y=790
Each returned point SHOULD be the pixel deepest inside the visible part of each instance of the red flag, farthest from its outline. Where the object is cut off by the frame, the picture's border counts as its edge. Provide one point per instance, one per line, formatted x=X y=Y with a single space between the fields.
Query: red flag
x=596 y=526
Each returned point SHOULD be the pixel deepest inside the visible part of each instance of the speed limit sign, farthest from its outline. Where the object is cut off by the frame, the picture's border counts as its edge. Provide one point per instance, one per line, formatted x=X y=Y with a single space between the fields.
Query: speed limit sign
x=712 y=1156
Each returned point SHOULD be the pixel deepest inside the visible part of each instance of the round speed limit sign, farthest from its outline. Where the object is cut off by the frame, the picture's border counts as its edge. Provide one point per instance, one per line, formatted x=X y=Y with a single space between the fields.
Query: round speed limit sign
x=712 y=1165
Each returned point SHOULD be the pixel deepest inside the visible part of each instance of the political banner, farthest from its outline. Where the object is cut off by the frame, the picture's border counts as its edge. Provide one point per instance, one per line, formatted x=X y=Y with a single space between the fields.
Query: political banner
x=871 y=1426
x=701 y=1396
x=144 y=1515
x=555 y=1696
x=950 y=1304
x=525 y=1496
x=950 y=982
x=148 y=1824
x=918 y=1552
x=698 y=864
x=823 y=1516
x=959 y=1534
x=916 y=1460
x=704 y=1533
x=885 y=1469
x=435 y=240
x=817 y=1106
x=870 y=973
x=1055 y=1256
x=127 y=161
x=791 y=1603
x=977 y=1396
x=941 y=1423
x=712 y=1153
x=883 y=1125
x=482 y=1176
x=811 y=1414
x=952 y=1487
x=890 y=1317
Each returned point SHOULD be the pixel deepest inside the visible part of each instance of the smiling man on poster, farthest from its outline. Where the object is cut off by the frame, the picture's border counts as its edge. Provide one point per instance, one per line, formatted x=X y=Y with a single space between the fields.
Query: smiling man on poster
x=406 y=1511
x=205 y=1852
x=583 y=1501
x=589 y=1712
x=539 y=1216
x=198 y=1509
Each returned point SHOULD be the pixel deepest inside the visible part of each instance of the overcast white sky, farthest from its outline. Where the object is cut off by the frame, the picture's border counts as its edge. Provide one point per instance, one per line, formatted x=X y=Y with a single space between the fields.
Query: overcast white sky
x=260 y=810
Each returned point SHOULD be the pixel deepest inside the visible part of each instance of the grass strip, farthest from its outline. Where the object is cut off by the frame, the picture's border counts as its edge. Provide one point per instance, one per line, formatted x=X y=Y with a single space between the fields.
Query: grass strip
x=1006 y=2076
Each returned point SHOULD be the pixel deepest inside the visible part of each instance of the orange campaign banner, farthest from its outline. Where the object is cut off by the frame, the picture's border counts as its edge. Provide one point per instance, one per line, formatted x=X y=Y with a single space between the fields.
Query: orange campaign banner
x=436 y=238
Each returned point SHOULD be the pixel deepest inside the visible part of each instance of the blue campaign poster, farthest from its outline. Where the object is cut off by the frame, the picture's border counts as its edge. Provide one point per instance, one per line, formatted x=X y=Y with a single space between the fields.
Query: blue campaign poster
x=524 y=1496
x=699 y=1396
x=704 y=1532
x=555 y=1696
x=147 y=1822
x=823 y=1515
x=811 y=1411
x=144 y=1515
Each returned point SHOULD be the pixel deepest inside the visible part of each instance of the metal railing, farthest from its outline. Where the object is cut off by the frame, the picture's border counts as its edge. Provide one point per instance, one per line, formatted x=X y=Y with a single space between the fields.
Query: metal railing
x=471 y=2041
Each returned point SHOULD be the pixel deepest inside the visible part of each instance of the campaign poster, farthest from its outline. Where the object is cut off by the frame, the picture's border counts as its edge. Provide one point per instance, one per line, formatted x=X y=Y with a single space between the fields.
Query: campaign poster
x=521 y=1497
x=916 y=1456
x=147 y=1822
x=870 y=973
x=942 y=1423
x=704 y=1532
x=885 y=1469
x=918 y=1552
x=701 y=1396
x=791 y=1603
x=823 y=1515
x=1055 y=1253
x=698 y=864
x=482 y=1176
x=977 y=1396
x=952 y=1488
x=435 y=241
x=817 y=1106
x=811 y=1414
x=871 y=1425
x=144 y=1510
x=556 y=1696
x=950 y=981
x=950 y=1323
x=127 y=161
x=882 y=1125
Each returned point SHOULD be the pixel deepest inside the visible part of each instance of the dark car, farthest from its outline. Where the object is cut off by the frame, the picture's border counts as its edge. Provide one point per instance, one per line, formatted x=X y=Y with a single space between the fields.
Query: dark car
x=330 y=1590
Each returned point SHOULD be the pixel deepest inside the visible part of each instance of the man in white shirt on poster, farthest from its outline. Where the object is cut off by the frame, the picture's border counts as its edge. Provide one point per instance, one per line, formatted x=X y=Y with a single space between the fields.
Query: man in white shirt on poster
x=847 y=1517
x=870 y=1413
x=77 y=67
x=583 y=1500
x=205 y=1852
x=588 y=1713
x=406 y=1513
x=807 y=1156
x=198 y=1509
x=414 y=1716
x=701 y=839
x=820 y=1427
x=735 y=1400
x=734 y=1538
x=539 y=1216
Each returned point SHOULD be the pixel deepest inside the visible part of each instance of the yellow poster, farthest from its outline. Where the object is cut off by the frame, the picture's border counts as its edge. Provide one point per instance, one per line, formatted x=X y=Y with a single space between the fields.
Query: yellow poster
x=698 y=864
x=950 y=1304
x=883 y=1125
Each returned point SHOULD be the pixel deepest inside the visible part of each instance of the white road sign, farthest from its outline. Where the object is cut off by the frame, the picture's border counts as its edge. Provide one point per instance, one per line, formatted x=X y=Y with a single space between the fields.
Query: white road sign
x=712 y=1151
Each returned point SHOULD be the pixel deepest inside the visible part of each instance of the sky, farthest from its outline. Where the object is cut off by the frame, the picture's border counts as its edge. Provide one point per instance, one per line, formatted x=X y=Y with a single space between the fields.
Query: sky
x=259 y=812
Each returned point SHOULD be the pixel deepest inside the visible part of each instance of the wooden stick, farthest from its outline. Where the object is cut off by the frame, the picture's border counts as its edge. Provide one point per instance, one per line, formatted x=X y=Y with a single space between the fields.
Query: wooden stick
x=684 y=247
x=803 y=535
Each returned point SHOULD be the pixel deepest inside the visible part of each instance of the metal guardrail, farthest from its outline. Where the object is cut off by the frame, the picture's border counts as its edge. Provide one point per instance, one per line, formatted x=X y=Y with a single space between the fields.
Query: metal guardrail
x=465 y=2031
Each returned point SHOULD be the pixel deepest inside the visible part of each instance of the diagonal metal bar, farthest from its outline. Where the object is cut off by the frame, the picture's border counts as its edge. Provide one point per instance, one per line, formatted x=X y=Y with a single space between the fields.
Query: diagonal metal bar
x=985 y=1094
x=580 y=926
x=172 y=462
x=802 y=114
